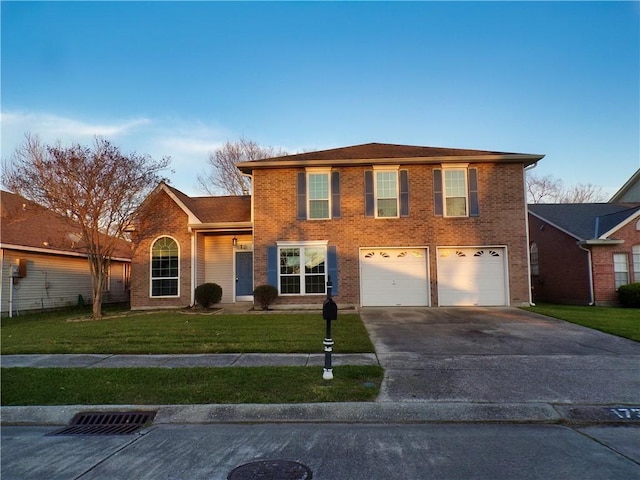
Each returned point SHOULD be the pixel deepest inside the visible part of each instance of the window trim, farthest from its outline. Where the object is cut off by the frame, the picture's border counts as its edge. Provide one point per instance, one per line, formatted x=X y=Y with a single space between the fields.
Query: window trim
x=534 y=259
x=616 y=271
x=302 y=245
x=464 y=168
x=151 y=277
x=635 y=260
x=381 y=169
x=327 y=173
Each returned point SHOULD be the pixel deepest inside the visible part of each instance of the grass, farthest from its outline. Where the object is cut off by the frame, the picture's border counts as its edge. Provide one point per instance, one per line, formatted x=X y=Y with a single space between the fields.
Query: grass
x=179 y=332
x=140 y=386
x=623 y=322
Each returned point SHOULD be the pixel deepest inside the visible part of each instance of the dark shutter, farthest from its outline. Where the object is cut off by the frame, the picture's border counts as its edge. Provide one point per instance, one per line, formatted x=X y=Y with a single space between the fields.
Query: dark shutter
x=474 y=206
x=437 y=192
x=369 y=200
x=302 y=196
x=332 y=267
x=404 y=193
x=272 y=267
x=335 y=194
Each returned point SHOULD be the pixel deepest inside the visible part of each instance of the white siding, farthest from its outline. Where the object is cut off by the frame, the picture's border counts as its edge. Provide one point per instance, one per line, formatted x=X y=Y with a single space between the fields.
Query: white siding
x=219 y=265
x=54 y=281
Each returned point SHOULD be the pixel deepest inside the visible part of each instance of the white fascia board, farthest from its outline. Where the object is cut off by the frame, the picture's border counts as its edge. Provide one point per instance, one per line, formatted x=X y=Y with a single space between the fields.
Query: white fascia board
x=600 y=241
x=630 y=218
x=222 y=226
x=192 y=218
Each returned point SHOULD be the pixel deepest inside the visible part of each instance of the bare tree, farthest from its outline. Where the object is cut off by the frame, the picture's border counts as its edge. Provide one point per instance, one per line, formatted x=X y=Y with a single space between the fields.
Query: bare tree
x=223 y=176
x=542 y=189
x=549 y=189
x=96 y=187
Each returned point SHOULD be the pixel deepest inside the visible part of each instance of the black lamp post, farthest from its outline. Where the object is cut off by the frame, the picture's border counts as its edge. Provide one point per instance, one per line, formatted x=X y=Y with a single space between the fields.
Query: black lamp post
x=329 y=313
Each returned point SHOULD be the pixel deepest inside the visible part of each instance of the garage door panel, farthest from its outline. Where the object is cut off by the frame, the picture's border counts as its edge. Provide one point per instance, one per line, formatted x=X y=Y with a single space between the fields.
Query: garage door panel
x=472 y=276
x=394 y=277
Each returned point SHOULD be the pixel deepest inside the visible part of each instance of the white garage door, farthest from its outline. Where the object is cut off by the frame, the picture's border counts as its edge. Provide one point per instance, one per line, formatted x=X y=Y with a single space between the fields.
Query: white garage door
x=394 y=277
x=472 y=276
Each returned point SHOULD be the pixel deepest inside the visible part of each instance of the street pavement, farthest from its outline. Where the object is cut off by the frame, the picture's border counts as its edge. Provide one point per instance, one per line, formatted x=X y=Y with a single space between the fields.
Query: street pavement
x=482 y=393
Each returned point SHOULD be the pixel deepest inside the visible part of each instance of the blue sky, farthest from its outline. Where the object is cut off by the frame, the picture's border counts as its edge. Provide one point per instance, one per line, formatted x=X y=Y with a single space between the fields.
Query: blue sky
x=181 y=78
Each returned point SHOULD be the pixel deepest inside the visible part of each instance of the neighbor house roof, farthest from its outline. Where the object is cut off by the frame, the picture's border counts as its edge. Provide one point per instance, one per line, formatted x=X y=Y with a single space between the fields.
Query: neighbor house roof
x=385 y=153
x=224 y=209
x=630 y=191
x=587 y=221
x=31 y=227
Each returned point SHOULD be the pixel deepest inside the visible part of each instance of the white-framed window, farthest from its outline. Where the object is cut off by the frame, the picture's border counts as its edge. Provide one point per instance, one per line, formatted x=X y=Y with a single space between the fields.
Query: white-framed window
x=621 y=269
x=319 y=196
x=636 y=263
x=302 y=268
x=106 y=286
x=455 y=192
x=533 y=255
x=386 y=192
x=165 y=267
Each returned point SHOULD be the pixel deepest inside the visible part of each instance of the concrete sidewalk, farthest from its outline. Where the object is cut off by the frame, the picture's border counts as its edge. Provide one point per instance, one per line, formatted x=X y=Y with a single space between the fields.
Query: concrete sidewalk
x=175 y=361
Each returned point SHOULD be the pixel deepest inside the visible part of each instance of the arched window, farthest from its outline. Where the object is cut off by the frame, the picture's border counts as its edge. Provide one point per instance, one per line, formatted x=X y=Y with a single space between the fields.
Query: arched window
x=165 y=271
x=533 y=253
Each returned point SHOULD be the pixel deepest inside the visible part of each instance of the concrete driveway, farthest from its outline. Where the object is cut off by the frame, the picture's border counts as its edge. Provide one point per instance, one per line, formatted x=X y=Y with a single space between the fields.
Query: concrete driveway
x=499 y=355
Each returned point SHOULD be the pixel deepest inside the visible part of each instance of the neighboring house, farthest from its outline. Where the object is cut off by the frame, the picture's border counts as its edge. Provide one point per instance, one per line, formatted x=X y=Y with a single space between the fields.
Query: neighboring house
x=388 y=224
x=44 y=264
x=183 y=242
x=630 y=191
x=581 y=253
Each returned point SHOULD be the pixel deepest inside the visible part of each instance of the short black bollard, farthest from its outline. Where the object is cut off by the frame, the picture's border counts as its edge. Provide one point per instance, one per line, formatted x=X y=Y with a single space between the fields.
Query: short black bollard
x=329 y=313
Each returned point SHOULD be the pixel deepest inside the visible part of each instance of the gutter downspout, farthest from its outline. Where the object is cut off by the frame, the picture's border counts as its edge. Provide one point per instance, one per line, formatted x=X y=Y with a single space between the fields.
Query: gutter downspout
x=526 y=220
x=193 y=267
x=253 y=230
x=590 y=268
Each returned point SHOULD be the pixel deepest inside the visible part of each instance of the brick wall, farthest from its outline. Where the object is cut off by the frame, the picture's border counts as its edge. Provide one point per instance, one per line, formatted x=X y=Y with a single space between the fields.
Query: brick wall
x=563 y=267
x=161 y=216
x=602 y=257
x=501 y=222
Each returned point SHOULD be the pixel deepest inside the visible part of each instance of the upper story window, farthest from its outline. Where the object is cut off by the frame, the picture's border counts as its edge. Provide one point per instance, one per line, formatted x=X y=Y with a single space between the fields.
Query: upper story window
x=165 y=268
x=455 y=190
x=386 y=192
x=318 y=197
x=318 y=194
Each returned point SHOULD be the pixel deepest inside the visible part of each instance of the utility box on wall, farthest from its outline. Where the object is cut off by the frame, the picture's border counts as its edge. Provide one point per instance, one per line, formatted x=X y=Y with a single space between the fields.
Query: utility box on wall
x=19 y=270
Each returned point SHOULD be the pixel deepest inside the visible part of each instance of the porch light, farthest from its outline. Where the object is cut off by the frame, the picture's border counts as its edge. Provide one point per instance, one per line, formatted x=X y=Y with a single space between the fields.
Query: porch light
x=235 y=242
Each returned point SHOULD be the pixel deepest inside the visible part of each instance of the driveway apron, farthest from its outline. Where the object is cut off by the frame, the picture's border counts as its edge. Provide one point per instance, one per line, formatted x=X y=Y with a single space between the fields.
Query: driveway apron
x=499 y=355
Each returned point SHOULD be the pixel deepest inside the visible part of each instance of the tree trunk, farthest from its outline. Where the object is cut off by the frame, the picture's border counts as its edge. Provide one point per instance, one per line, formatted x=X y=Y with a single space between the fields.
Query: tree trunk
x=97 y=281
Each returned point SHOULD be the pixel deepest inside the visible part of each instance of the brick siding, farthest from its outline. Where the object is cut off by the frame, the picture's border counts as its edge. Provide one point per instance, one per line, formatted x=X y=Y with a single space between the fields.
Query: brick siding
x=501 y=222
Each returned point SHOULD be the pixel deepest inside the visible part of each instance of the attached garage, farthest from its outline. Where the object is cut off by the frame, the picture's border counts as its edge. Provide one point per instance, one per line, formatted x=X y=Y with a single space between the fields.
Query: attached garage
x=472 y=276
x=392 y=277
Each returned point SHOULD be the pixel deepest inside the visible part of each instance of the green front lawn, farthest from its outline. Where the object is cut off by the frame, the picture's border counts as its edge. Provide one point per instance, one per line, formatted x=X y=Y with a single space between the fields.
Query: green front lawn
x=168 y=386
x=623 y=322
x=180 y=332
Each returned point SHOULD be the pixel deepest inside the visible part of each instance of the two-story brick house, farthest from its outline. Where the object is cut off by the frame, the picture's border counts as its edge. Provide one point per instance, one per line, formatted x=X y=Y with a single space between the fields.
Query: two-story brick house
x=389 y=224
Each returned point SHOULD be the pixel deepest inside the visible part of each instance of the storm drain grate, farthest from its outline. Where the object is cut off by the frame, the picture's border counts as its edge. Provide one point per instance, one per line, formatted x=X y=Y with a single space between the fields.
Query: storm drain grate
x=107 y=423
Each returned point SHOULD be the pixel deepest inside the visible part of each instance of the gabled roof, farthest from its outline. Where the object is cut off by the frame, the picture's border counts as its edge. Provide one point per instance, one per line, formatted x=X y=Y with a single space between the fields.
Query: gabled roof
x=31 y=227
x=212 y=210
x=587 y=221
x=630 y=191
x=385 y=153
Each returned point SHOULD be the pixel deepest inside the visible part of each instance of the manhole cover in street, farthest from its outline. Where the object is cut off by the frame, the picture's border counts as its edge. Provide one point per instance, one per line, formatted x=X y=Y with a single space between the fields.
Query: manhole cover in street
x=271 y=470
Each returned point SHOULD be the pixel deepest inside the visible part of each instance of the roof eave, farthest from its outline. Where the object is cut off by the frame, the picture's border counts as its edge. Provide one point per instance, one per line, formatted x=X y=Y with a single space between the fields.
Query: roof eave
x=601 y=241
x=526 y=159
x=50 y=251
x=221 y=226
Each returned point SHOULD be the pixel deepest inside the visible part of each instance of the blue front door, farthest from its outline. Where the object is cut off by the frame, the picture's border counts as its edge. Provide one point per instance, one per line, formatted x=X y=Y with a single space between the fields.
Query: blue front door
x=244 y=274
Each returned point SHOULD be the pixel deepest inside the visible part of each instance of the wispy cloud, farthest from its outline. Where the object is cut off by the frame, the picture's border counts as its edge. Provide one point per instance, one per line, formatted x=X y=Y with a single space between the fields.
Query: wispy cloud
x=187 y=142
